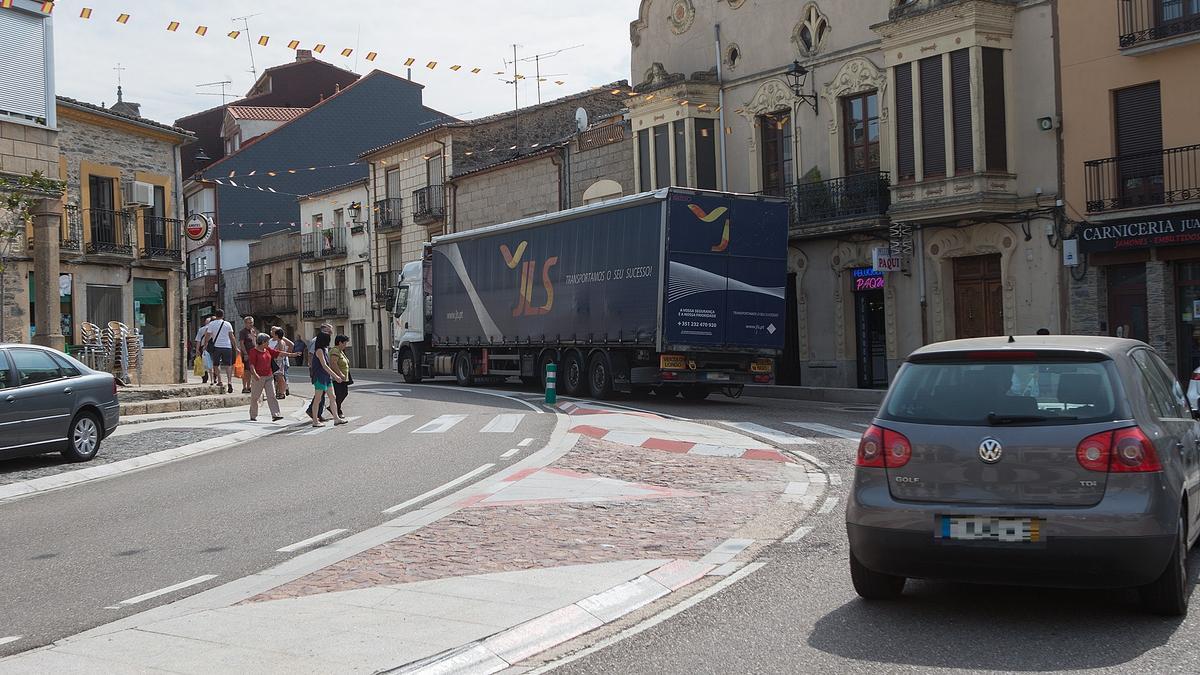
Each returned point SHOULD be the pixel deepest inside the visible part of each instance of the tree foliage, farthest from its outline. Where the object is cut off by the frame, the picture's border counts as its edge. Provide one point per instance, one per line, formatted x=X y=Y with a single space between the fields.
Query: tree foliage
x=19 y=195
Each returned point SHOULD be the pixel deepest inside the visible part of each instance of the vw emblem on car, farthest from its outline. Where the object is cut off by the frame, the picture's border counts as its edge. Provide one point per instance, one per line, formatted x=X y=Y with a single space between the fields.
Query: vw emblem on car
x=990 y=450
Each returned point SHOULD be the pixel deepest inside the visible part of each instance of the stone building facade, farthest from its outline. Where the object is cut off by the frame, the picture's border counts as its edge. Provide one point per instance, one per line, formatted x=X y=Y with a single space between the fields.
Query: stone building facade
x=511 y=190
x=1131 y=166
x=947 y=178
x=273 y=282
x=24 y=149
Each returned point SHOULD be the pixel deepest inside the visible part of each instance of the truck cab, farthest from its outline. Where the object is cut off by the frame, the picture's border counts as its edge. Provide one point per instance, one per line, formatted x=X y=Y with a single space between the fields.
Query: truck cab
x=408 y=321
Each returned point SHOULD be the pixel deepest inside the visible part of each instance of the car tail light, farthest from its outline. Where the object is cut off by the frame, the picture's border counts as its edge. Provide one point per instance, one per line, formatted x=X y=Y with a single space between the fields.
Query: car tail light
x=883 y=448
x=1122 y=451
x=762 y=379
x=1132 y=452
x=1093 y=452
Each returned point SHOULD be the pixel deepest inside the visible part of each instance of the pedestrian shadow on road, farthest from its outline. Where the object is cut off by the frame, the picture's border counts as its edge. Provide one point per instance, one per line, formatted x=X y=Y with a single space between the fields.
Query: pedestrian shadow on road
x=943 y=625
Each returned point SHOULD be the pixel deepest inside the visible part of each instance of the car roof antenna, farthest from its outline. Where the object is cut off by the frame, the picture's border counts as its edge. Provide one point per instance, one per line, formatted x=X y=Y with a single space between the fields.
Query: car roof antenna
x=1011 y=339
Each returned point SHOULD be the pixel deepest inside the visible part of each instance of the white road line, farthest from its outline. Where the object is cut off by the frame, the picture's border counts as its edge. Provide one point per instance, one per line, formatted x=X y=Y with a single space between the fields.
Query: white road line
x=862 y=426
x=441 y=488
x=826 y=429
x=525 y=443
x=163 y=591
x=654 y=620
x=504 y=423
x=10 y=638
x=310 y=541
x=385 y=391
x=328 y=425
x=510 y=453
x=800 y=533
x=827 y=507
x=440 y=424
x=381 y=425
x=527 y=404
x=769 y=433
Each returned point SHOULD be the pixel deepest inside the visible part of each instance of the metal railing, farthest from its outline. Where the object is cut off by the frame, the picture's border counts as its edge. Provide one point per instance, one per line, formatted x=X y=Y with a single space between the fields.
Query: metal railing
x=1143 y=179
x=863 y=195
x=385 y=283
x=267 y=301
x=112 y=231
x=325 y=243
x=329 y=302
x=162 y=238
x=388 y=213
x=1143 y=21
x=72 y=234
x=429 y=203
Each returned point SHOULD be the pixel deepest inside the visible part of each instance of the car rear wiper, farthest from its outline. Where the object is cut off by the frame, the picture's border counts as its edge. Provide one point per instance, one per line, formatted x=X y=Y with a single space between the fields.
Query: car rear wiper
x=995 y=419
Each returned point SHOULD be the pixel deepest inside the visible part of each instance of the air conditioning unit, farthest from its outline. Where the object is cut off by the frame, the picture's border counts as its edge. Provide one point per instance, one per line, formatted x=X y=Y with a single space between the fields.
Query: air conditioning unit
x=137 y=193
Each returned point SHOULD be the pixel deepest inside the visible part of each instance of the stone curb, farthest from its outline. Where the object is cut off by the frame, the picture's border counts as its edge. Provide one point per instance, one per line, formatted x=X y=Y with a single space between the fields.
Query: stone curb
x=872 y=397
x=185 y=403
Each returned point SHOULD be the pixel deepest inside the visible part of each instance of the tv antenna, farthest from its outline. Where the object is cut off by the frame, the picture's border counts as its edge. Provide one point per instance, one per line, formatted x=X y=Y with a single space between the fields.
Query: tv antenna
x=222 y=84
x=249 y=44
x=537 y=65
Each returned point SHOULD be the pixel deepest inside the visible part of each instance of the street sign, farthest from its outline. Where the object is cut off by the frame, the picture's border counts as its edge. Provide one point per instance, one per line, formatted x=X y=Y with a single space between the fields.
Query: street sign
x=883 y=261
x=198 y=227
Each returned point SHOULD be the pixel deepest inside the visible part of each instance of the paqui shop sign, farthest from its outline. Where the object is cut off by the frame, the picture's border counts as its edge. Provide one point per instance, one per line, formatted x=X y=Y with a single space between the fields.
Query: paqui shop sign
x=1164 y=230
x=867 y=279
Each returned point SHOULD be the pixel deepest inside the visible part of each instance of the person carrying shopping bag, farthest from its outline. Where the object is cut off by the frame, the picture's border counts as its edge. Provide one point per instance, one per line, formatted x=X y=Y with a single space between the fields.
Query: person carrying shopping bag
x=341 y=389
x=323 y=376
x=262 y=380
x=282 y=345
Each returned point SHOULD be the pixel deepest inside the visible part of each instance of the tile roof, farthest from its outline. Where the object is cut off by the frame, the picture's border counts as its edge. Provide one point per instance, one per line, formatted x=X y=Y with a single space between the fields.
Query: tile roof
x=265 y=113
x=142 y=121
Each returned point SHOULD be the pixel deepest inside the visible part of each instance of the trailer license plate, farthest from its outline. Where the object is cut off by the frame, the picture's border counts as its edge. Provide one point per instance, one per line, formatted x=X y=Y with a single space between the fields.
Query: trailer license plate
x=985 y=528
x=720 y=377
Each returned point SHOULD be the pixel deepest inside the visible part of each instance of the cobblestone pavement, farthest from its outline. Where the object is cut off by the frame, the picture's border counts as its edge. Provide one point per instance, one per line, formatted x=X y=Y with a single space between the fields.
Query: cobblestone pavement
x=737 y=497
x=112 y=449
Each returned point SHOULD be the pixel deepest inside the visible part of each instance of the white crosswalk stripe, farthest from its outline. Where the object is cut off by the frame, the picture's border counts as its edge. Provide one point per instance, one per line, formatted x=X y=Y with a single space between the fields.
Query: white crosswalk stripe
x=328 y=425
x=829 y=430
x=769 y=433
x=440 y=425
x=382 y=424
x=503 y=423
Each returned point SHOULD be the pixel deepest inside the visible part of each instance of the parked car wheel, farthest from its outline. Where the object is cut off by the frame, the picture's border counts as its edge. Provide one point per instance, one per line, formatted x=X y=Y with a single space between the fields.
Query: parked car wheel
x=572 y=379
x=600 y=377
x=83 y=438
x=871 y=585
x=1168 y=594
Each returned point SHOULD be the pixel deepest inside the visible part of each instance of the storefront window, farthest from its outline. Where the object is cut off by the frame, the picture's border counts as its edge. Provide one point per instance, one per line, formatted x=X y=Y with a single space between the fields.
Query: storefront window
x=150 y=310
x=64 y=307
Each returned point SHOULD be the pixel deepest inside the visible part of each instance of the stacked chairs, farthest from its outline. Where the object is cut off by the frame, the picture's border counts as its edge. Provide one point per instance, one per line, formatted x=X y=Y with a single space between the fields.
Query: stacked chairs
x=92 y=350
x=125 y=347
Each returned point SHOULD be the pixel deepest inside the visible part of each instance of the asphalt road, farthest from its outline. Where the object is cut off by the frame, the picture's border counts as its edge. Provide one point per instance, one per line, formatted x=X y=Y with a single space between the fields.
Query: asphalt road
x=70 y=555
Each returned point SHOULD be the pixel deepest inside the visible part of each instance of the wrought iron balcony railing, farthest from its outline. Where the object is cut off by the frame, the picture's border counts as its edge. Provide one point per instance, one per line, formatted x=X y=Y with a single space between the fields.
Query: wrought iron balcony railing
x=325 y=243
x=429 y=203
x=267 y=302
x=330 y=302
x=112 y=232
x=72 y=234
x=162 y=238
x=1144 y=21
x=863 y=195
x=1143 y=179
x=385 y=286
x=388 y=213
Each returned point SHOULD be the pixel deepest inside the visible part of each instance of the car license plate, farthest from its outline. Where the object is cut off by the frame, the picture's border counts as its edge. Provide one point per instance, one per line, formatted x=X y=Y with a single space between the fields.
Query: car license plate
x=986 y=528
x=721 y=377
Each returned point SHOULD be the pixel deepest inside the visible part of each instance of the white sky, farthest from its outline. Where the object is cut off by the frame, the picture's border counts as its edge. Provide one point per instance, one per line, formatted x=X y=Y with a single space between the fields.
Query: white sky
x=163 y=68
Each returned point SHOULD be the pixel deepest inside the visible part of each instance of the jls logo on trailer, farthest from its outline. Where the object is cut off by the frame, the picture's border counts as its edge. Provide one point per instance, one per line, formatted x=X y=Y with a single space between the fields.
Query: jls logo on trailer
x=525 y=306
x=712 y=218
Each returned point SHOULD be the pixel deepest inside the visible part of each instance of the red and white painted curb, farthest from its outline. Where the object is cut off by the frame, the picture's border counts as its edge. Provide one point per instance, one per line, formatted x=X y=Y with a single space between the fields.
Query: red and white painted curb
x=640 y=440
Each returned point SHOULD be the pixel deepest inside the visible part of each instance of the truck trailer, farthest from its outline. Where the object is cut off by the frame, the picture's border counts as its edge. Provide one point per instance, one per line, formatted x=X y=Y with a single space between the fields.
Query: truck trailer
x=678 y=290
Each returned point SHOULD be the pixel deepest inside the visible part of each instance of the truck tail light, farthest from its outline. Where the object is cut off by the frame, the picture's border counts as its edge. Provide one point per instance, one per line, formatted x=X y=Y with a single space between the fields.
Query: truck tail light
x=672 y=362
x=883 y=448
x=668 y=375
x=1125 y=450
x=762 y=379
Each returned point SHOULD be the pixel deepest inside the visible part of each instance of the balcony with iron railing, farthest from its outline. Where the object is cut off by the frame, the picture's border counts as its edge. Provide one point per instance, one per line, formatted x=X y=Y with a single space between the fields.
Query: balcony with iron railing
x=385 y=284
x=429 y=204
x=851 y=199
x=162 y=239
x=267 y=302
x=70 y=232
x=1144 y=179
x=330 y=302
x=1151 y=25
x=389 y=213
x=112 y=232
x=323 y=244
x=203 y=287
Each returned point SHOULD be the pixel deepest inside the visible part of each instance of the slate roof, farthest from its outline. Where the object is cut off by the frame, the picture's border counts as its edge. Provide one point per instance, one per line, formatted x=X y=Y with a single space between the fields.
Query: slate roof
x=142 y=121
x=336 y=188
x=265 y=113
x=377 y=107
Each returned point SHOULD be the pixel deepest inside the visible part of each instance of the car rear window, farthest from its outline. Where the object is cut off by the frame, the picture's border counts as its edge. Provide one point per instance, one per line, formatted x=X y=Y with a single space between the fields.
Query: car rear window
x=1017 y=393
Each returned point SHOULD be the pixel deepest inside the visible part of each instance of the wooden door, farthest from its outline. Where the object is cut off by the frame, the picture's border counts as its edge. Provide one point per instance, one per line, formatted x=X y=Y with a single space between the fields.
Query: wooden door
x=978 y=296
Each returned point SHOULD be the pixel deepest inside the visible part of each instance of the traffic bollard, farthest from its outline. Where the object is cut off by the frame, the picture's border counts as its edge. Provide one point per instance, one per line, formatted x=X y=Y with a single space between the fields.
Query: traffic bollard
x=551 y=377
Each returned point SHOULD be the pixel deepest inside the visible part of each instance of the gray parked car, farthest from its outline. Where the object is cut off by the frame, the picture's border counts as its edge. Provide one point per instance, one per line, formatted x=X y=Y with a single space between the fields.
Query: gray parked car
x=1048 y=461
x=49 y=402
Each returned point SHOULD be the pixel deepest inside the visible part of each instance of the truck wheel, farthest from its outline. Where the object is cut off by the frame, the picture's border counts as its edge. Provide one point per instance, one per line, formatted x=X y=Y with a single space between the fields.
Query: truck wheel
x=464 y=371
x=600 y=377
x=571 y=377
x=695 y=393
x=409 y=367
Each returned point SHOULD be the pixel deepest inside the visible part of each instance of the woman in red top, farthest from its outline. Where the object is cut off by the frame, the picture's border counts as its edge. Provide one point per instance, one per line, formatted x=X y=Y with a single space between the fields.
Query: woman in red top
x=261 y=377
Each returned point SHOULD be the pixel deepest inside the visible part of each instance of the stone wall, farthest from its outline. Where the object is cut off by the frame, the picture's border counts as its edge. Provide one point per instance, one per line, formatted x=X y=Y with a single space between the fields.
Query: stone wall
x=612 y=161
x=130 y=152
x=507 y=193
x=25 y=149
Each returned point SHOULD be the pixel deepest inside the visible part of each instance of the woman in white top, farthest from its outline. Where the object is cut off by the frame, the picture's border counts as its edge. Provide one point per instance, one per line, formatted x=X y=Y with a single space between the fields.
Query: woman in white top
x=281 y=344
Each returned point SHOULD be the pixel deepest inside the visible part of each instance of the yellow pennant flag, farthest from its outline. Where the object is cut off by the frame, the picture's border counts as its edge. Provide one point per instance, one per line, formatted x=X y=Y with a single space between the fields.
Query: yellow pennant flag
x=409 y=61
x=293 y=44
x=124 y=18
x=173 y=26
x=201 y=30
x=476 y=71
x=347 y=52
x=233 y=34
x=85 y=13
x=320 y=48
x=262 y=41
x=371 y=55
x=47 y=7
x=456 y=68
x=431 y=65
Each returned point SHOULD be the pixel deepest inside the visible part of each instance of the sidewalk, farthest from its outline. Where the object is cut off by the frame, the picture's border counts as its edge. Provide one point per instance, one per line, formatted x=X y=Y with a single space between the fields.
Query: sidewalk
x=575 y=536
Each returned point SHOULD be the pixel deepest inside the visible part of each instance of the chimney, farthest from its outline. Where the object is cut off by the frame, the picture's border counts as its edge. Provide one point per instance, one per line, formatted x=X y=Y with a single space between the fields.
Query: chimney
x=304 y=55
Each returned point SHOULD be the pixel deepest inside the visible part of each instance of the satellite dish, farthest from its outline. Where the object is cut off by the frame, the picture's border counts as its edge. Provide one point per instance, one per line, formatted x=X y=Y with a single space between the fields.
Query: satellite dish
x=581 y=119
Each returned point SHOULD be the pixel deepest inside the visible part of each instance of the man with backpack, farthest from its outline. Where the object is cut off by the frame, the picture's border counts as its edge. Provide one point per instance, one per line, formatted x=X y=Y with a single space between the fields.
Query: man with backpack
x=218 y=340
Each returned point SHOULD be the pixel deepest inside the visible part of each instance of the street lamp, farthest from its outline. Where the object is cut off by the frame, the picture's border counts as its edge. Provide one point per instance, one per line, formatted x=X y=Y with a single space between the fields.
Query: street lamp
x=202 y=156
x=355 y=210
x=797 y=75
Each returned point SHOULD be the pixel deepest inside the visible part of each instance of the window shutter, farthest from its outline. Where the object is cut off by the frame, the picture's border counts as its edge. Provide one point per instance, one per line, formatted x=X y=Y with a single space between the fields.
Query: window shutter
x=906 y=162
x=23 y=68
x=933 y=117
x=662 y=156
x=1139 y=119
x=995 y=137
x=960 y=104
x=643 y=150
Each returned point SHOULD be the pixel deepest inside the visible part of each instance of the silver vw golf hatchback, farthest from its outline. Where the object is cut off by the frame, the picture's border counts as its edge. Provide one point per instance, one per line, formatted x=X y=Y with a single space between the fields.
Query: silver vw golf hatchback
x=1049 y=461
